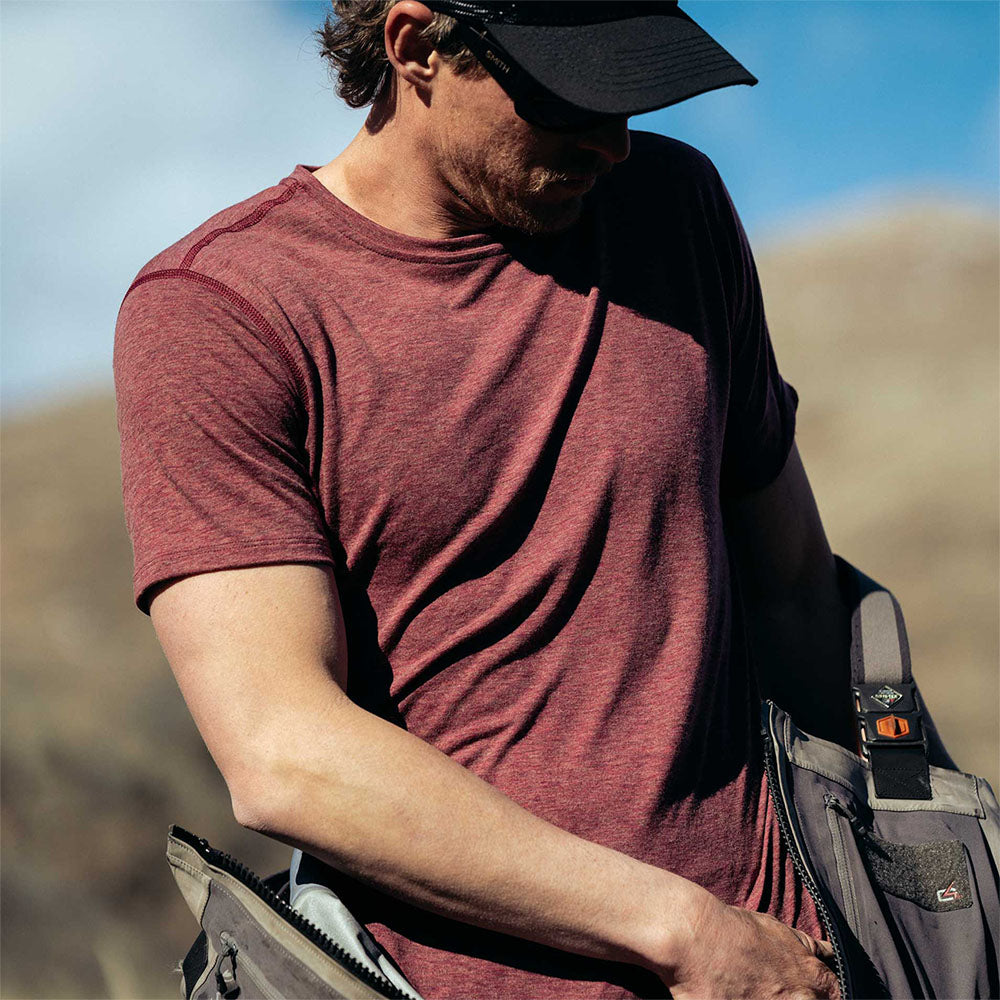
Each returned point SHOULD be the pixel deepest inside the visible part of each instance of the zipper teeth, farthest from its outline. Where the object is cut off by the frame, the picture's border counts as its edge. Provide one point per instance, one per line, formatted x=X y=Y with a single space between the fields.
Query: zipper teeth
x=239 y=871
x=784 y=823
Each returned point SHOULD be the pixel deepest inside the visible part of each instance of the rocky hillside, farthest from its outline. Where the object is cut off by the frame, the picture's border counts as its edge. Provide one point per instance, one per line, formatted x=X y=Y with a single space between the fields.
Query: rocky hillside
x=887 y=326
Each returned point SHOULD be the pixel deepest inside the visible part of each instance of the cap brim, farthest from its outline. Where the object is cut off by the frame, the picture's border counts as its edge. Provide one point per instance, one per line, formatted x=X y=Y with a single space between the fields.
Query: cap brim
x=623 y=67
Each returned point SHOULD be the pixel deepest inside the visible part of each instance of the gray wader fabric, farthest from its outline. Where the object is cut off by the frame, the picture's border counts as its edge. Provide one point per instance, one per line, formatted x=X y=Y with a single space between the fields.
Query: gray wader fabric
x=318 y=903
x=913 y=882
x=254 y=946
x=904 y=854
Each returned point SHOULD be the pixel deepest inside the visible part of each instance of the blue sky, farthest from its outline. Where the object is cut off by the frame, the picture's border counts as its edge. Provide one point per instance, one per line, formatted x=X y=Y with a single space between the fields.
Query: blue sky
x=126 y=124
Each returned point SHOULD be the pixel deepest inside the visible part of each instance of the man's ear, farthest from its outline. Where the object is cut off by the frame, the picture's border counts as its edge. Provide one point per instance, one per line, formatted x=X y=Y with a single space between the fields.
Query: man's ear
x=412 y=57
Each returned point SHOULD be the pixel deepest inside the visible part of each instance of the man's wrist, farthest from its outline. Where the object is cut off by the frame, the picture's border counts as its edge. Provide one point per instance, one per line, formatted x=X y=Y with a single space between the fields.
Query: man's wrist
x=678 y=908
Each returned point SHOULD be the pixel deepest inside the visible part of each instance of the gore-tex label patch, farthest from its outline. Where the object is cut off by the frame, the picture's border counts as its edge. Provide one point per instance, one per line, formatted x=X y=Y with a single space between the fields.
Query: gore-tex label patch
x=934 y=875
x=887 y=696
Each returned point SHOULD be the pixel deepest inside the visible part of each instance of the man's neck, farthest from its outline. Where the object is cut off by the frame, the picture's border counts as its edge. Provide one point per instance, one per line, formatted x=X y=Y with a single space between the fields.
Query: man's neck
x=382 y=175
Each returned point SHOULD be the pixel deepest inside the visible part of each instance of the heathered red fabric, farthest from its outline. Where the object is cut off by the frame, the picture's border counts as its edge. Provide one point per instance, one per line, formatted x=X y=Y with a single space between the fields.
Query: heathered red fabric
x=514 y=452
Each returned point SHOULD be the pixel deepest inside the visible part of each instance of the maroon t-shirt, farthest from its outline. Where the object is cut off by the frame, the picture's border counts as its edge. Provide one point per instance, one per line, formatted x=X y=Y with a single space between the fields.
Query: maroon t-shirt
x=514 y=452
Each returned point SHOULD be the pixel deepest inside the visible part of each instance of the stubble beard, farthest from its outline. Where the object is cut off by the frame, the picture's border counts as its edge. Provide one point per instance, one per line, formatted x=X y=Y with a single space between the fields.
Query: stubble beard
x=526 y=212
x=493 y=200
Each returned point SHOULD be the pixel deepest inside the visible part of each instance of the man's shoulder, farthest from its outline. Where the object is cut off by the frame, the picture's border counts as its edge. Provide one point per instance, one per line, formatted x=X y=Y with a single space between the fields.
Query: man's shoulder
x=664 y=185
x=662 y=174
x=230 y=271
x=232 y=244
x=656 y=158
x=666 y=151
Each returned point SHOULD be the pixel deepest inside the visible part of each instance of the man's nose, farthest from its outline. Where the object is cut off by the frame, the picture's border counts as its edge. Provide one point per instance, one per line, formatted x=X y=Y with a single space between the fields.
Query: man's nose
x=610 y=139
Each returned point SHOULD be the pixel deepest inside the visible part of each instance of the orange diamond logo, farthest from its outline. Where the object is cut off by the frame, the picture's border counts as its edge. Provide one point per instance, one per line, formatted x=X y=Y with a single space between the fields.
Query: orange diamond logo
x=892 y=726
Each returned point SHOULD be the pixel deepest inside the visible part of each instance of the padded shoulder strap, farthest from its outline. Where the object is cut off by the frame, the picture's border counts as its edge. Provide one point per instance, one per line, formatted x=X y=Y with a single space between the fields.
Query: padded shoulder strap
x=880 y=652
x=889 y=714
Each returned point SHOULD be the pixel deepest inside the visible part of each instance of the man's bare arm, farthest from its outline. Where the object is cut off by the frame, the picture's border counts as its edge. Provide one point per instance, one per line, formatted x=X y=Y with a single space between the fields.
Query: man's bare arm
x=799 y=625
x=259 y=654
x=260 y=658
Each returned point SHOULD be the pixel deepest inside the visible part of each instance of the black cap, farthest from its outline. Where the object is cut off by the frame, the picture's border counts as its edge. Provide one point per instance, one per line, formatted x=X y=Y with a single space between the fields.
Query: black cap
x=613 y=58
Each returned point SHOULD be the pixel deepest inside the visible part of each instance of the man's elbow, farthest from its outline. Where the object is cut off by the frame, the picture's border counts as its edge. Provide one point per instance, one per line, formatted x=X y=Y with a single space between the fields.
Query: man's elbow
x=255 y=812
x=270 y=780
x=282 y=787
x=257 y=796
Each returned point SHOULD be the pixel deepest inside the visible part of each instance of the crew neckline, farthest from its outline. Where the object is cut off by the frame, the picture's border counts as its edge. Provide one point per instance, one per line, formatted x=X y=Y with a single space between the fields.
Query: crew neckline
x=390 y=243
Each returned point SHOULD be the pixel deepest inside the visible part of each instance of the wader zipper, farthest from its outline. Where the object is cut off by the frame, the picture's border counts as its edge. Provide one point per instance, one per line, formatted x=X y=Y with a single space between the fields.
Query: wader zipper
x=834 y=809
x=242 y=963
x=789 y=831
x=231 y=866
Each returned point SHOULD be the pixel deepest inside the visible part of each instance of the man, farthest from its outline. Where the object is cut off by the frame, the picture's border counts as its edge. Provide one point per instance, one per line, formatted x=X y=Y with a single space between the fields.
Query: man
x=434 y=459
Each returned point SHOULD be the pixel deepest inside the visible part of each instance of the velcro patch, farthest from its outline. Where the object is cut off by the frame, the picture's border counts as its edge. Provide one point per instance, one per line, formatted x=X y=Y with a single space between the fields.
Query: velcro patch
x=934 y=875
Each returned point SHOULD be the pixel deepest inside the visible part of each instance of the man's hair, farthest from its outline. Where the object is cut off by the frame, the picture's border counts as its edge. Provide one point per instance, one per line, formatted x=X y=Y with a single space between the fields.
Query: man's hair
x=352 y=40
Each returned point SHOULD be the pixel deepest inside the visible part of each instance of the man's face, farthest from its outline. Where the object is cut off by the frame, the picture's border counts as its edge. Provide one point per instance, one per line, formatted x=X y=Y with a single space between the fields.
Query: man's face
x=500 y=169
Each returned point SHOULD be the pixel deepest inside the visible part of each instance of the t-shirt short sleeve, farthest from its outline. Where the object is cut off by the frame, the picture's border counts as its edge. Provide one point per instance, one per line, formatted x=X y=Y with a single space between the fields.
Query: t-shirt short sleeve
x=761 y=412
x=215 y=473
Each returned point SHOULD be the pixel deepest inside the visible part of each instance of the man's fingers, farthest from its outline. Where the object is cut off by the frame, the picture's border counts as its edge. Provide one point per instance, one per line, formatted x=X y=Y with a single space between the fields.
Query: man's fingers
x=829 y=987
x=824 y=950
x=821 y=949
x=826 y=983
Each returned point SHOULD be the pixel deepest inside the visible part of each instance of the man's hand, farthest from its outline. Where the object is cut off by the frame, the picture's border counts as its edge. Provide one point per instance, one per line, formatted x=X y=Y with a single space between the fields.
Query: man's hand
x=735 y=953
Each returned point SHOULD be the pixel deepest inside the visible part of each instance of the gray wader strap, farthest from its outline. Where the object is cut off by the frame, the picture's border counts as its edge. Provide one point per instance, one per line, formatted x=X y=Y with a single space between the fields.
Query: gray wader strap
x=887 y=704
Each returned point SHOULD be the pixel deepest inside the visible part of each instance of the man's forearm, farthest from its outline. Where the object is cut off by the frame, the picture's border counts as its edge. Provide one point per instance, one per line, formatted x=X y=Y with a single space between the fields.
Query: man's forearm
x=379 y=803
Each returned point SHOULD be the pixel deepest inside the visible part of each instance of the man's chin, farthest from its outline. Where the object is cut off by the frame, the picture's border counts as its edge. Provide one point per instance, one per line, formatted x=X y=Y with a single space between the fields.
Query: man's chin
x=544 y=218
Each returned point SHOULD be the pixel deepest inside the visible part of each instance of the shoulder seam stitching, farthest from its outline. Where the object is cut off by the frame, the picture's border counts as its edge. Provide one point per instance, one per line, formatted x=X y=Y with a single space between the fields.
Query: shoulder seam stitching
x=245 y=306
x=251 y=219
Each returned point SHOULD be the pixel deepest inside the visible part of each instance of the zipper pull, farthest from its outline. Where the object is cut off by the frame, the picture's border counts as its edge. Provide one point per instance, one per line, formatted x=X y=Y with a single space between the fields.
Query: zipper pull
x=225 y=979
x=848 y=812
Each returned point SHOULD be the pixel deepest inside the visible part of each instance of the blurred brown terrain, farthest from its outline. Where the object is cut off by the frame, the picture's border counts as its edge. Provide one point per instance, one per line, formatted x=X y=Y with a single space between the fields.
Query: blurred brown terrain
x=886 y=323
